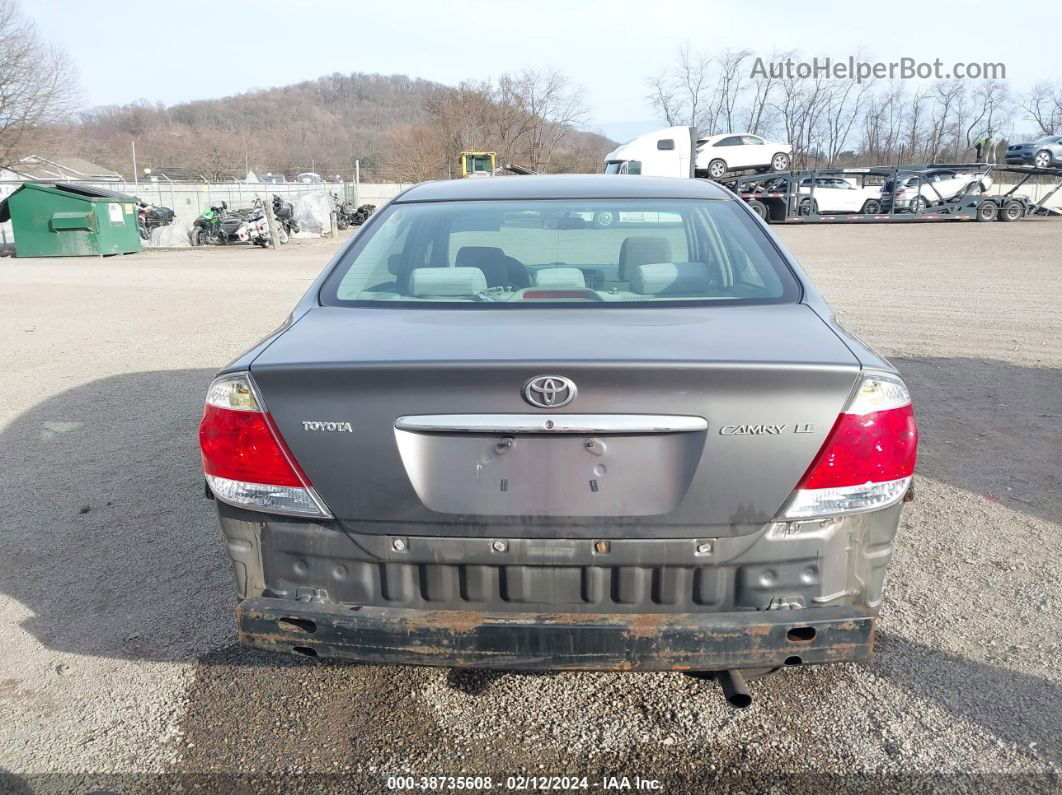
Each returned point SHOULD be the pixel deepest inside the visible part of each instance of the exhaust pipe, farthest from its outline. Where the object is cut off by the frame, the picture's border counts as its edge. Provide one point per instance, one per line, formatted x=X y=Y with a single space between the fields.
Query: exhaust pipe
x=734 y=689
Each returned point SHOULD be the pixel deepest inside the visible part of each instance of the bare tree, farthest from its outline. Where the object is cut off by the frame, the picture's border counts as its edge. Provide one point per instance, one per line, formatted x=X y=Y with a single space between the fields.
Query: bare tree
x=990 y=99
x=554 y=107
x=415 y=153
x=763 y=91
x=915 y=123
x=801 y=105
x=843 y=107
x=37 y=84
x=665 y=100
x=510 y=121
x=729 y=85
x=943 y=141
x=462 y=118
x=692 y=75
x=681 y=94
x=883 y=124
x=1043 y=104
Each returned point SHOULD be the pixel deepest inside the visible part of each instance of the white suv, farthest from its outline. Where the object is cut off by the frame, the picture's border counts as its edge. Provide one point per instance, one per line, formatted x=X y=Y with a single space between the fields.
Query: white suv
x=837 y=195
x=739 y=151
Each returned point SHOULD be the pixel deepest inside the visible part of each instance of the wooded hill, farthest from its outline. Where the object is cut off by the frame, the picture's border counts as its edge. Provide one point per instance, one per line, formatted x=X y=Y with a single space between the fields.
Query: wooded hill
x=400 y=128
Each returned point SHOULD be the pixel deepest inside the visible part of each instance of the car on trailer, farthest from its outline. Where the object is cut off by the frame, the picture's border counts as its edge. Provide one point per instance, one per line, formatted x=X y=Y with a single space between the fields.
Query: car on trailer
x=935 y=192
x=1045 y=152
x=811 y=192
x=793 y=196
x=490 y=437
x=846 y=193
x=914 y=189
x=719 y=154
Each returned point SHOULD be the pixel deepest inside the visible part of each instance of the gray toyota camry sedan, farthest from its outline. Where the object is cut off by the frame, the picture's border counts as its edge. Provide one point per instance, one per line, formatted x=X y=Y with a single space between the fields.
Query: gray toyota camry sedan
x=496 y=433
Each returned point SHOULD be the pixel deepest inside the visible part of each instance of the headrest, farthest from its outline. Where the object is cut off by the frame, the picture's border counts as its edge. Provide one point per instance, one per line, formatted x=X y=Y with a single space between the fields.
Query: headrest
x=479 y=255
x=440 y=282
x=640 y=251
x=559 y=278
x=671 y=278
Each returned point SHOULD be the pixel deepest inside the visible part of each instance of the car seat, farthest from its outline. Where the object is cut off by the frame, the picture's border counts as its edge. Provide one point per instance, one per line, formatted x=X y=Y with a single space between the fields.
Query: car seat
x=499 y=269
x=644 y=250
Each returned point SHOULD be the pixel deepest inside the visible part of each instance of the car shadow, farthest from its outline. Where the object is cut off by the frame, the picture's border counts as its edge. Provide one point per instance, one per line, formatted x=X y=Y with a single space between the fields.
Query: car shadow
x=107 y=539
x=344 y=727
x=1027 y=710
x=990 y=427
x=13 y=784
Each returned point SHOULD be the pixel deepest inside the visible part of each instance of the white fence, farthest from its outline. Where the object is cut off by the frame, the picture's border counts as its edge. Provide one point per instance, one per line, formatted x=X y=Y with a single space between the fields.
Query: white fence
x=189 y=199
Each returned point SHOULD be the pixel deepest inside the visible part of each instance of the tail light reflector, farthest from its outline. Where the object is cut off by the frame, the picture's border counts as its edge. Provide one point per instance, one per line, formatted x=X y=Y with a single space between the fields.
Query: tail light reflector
x=245 y=460
x=556 y=294
x=868 y=458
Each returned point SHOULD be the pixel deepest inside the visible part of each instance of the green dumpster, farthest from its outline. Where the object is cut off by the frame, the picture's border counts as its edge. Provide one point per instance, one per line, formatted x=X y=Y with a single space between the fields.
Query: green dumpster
x=67 y=220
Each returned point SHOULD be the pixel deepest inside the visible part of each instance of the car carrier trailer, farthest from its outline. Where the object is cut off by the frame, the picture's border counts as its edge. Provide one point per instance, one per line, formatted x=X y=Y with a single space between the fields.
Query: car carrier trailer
x=781 y=196
x=789 y=197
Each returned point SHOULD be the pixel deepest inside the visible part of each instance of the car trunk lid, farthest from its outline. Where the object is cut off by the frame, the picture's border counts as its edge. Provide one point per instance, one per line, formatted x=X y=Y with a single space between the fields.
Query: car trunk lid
x=742 y=398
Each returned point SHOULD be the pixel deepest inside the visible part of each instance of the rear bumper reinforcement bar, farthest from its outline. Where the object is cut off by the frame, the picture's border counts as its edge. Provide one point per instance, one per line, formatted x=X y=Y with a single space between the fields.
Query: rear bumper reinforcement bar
x=554 y=641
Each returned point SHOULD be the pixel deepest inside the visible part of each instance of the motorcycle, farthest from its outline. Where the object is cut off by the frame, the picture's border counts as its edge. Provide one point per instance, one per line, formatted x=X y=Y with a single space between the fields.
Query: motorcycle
x=149 y=217
x=207 y=229
x=284 y=212
x=256 y=232
x=362 y=214
x=347 y=216
x=220 y=226
x=343 y=212
x=255 y=229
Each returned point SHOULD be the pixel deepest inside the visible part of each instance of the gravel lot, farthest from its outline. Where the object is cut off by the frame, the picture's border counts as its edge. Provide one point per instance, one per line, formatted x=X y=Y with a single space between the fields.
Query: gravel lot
x=118 y=667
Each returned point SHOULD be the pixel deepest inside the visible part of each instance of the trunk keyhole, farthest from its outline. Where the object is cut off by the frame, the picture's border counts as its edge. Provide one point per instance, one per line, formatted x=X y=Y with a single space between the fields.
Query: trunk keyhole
x=594 y=446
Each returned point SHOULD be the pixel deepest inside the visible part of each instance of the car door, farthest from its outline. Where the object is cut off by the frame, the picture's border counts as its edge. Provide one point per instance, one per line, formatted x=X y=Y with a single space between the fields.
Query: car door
x=730 y=149
x=833 y=195
x=847 y=197
x=754 y=151
x=823 y=195
x=942 y=185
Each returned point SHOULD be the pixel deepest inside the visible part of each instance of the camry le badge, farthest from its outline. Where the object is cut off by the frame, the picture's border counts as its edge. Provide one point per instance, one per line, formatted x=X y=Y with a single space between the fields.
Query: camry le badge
x=770 y=430
x=549 y=391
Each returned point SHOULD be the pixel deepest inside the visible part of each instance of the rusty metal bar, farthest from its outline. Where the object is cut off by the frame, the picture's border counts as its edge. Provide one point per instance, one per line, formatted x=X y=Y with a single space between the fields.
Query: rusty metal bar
x=555 y=641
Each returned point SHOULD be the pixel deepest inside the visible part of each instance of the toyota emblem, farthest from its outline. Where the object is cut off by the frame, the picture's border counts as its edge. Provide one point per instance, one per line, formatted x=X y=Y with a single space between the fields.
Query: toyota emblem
x=549 y=391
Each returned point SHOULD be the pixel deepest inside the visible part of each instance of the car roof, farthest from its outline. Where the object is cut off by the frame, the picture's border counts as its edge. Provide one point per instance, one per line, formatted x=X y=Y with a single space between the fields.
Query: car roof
x=563 y=186
x=719 y=136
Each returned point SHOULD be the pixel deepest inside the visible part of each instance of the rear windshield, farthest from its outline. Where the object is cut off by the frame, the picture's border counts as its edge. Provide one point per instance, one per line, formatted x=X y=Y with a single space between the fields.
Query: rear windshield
x=579 y=252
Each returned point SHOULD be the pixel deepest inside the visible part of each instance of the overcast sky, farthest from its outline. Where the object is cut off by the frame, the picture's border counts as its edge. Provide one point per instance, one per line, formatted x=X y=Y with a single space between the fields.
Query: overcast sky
x=176 y=51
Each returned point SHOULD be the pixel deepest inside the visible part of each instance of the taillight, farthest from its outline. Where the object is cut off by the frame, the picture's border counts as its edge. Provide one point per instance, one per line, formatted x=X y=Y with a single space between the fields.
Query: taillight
x=868 y=458
x=245 y=460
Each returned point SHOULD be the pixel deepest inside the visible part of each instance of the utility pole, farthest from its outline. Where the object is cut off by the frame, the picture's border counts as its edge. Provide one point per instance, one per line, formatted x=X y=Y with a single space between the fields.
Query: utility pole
x=357 y=183
x=271 y=222
x=136 y=180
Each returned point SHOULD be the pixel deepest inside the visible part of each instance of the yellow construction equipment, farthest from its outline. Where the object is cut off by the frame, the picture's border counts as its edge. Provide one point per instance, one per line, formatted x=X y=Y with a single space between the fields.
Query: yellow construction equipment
x=478 y=164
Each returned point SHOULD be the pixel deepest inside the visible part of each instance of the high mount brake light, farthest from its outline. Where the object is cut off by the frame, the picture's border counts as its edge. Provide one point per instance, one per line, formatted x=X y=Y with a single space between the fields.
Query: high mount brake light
x=868 y=458
x=245 y=460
